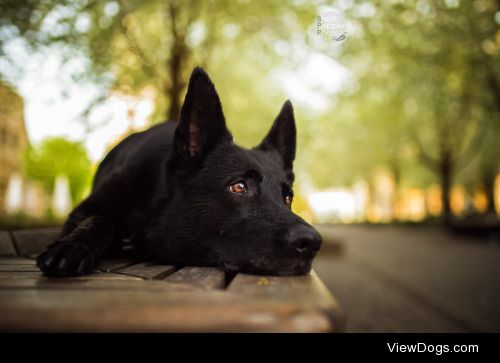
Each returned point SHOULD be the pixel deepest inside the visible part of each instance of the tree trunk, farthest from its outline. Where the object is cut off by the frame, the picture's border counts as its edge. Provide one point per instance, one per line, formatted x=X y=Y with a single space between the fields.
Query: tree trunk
x=176 y=84
x=396 y=203
x=445 y=176
x=178 y=54
x=488 y=181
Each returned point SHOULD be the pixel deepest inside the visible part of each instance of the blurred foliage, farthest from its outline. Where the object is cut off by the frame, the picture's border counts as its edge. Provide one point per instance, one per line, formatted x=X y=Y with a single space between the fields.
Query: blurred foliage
x=301 y=207
x=58 y=156
x=153 y=45
x=425 y=97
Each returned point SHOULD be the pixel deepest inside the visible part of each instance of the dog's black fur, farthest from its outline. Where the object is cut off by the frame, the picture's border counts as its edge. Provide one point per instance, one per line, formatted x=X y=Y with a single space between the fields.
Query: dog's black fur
x=184 y=194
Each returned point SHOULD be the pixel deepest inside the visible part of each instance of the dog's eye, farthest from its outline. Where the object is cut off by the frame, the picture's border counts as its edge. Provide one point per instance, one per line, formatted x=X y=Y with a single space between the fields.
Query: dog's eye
x=238 y=187
x=288 y=199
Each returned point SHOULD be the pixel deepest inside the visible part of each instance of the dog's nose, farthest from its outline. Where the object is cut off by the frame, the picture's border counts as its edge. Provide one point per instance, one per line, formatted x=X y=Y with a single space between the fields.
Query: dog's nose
x=303 y=239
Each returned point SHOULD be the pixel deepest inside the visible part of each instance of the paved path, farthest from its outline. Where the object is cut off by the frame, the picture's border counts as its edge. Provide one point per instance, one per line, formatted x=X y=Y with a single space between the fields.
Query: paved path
x=411 y=279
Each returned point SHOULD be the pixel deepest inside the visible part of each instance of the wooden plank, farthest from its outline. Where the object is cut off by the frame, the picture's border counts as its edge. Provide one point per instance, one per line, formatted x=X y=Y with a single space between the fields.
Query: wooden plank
x=34 y=240
x=35 y=275
x=17 y=261
x=6 y=246
x=114 y=264
x=20 y=275
x=125 y=302
x=203 y=277
x=147 y=270
x=307 y=291
x=119 y=282
x=101 y=276
x=18 y=268
x=151 y=311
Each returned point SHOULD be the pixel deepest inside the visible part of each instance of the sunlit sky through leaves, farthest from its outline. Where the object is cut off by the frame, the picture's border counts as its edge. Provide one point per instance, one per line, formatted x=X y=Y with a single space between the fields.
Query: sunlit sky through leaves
x=54 y=101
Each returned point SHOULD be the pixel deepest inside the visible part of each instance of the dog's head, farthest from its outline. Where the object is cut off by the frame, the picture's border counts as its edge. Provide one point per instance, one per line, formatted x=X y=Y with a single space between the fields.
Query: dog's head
x=232 y=206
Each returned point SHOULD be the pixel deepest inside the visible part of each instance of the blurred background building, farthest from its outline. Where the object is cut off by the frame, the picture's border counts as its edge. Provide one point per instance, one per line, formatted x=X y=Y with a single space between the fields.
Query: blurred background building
x=13 y=141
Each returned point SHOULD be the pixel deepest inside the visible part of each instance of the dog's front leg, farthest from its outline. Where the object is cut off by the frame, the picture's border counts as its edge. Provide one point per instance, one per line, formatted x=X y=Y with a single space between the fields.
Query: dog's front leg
x=78 y=250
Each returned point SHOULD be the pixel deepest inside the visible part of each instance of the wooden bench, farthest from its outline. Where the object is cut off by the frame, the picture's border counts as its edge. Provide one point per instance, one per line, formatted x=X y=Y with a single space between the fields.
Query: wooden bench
x=127 y=295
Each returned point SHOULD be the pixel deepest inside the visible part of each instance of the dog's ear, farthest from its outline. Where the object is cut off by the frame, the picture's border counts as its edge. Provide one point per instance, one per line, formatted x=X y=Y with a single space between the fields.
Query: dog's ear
x=282 y=136
x=201 y=125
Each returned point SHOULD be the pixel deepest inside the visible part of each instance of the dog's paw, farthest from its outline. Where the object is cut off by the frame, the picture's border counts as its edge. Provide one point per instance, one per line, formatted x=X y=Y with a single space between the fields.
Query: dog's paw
x=64 y=258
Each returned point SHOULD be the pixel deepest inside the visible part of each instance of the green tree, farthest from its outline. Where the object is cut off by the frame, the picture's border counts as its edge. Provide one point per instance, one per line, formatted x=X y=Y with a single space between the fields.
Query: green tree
x=427 y=77
x=133 y=44
x=58 y=156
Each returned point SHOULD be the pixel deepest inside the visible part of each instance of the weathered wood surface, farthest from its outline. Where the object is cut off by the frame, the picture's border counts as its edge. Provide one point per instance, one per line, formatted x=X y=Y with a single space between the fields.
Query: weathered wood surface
x=146 y=310
x=125 y=295
x=307 y=290
x=147 y=270
x=18 y=268
x=34 y=240
x=205 y=277
x=114 y=264
x=19 y=275
x=17 y=261
x=6 y=245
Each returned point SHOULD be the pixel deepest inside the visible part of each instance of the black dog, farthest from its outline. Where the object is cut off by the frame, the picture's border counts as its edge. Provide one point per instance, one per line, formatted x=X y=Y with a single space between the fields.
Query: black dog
x=184 y=194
